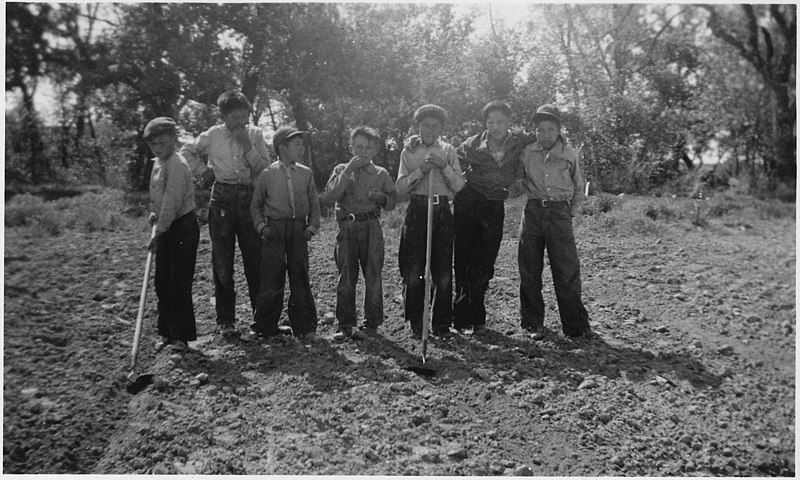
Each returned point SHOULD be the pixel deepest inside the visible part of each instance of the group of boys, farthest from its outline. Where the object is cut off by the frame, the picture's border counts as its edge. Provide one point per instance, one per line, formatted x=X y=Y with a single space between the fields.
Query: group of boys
x=273 y=209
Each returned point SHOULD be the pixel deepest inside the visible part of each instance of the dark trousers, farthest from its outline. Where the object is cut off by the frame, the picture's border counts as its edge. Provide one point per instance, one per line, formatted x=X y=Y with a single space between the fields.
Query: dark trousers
x=176 y=255
x=229 y=219
x=285 y=250
x=478 y=233
x=551 y=228
x=359 y=243
x=412 y=262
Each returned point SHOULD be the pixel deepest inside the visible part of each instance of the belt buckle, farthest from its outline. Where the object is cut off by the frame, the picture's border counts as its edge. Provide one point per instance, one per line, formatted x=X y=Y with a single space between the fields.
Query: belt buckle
x=545 y=202
x=351 y=217
x=436 y=199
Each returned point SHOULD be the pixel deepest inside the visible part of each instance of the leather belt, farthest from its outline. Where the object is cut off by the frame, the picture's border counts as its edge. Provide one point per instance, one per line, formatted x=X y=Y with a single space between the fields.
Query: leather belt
x=437 y=199
x=361 y=217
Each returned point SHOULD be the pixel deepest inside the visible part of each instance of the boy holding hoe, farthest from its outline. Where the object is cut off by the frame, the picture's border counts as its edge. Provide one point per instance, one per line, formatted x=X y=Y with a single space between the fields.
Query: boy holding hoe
x=176 y=236
x=360 y=190
x=429 y=168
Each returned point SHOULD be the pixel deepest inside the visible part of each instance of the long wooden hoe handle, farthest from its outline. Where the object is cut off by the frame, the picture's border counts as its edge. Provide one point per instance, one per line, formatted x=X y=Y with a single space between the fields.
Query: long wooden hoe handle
x=427 y=307
x=142 y=299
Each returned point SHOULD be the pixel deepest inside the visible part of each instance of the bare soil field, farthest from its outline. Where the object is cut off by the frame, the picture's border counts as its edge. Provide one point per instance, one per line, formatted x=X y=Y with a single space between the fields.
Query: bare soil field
x=692 y=372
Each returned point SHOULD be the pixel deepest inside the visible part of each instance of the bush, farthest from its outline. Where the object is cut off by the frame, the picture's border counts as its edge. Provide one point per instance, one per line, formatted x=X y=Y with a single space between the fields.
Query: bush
x=602 y=203
x=24 y=209
x=89 y=212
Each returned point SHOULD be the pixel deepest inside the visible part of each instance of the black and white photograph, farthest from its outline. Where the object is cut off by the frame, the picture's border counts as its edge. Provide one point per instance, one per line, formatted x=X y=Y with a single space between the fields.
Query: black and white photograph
x=400 y=239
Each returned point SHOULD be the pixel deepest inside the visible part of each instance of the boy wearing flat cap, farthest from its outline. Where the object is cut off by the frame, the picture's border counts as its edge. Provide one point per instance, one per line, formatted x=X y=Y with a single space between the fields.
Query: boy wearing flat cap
x=555 y=192
x=434 y=158
x=176 y=237
x=236 y=153
x=286 y=213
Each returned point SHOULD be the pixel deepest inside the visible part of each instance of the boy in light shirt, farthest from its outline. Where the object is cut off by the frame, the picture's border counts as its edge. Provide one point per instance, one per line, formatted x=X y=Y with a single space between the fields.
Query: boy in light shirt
x=437 y=158
x=176 y=237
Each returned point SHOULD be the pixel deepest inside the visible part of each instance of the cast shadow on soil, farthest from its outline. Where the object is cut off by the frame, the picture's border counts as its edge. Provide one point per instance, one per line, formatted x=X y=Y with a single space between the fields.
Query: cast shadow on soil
x=557 y=355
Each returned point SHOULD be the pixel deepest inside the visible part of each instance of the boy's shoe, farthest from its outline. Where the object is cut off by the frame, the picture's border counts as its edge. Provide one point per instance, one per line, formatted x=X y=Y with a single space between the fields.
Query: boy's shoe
x=480 y=330
x=250 y=336
x=227 y=329
x=178 y=346
x=343 y=334
x=310 y=337
x=161 y=343
x=369 y=329
x=536 y=333
x=416 y=334
x=442 y=333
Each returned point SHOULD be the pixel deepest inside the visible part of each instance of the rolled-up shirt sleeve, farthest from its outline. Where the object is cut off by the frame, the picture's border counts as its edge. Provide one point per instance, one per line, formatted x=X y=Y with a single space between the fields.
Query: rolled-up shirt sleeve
x=193 y=151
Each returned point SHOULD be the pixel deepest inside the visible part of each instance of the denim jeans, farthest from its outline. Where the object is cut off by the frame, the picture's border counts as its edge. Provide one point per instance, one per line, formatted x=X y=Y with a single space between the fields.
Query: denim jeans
x=412 y=262
x=478 y=233
x=285 y=250
x=176 y=255
x=551 y=228
x=359 y=243
x=229 y=219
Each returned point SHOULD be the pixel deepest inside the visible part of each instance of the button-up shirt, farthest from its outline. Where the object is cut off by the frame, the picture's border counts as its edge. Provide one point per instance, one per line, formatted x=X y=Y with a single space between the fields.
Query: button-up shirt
x=226 y=156
x=411 y=180
x=273 y=198
x=171 y=191
x=553 y=174
x=351 y=191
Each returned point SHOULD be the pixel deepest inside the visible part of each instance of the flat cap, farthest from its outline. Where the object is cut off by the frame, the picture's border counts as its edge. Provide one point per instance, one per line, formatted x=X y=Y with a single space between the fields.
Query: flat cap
x=432 y=111
x=283 y=134
x=159 y=125
x=547 y=112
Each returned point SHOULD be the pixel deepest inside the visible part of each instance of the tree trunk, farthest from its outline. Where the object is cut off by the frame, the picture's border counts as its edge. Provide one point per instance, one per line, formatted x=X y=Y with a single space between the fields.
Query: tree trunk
x=38 y=163
x=301 y=122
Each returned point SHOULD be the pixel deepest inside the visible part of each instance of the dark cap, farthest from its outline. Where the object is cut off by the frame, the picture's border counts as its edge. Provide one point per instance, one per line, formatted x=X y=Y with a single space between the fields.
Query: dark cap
x=157 y=126
x=547 y=112
x=432 y=111
x=283 y=135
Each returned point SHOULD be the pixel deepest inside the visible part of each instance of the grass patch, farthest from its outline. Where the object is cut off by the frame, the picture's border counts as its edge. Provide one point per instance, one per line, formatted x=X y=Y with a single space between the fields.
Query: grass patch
x=89 y=212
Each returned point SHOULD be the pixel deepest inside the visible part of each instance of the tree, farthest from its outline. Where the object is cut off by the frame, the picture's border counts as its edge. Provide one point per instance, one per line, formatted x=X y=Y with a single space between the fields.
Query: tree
x=766 y=37
x=27 y=53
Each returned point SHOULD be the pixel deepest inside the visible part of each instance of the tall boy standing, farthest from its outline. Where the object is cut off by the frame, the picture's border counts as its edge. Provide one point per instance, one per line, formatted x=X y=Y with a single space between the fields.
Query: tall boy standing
x=176 y=237
x=286 y=213
x=360 y=190
x=491 y=166
x=437 y=158
x=555 y=193
x=236 y=155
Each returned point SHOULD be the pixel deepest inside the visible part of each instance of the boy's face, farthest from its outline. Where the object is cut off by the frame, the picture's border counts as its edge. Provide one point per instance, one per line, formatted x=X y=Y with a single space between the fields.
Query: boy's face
x=364 y=147
x=292 y=151
x=162 y=146
x=429 y=130
x=497 y=125
x=236 y=118
x=547 y=133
